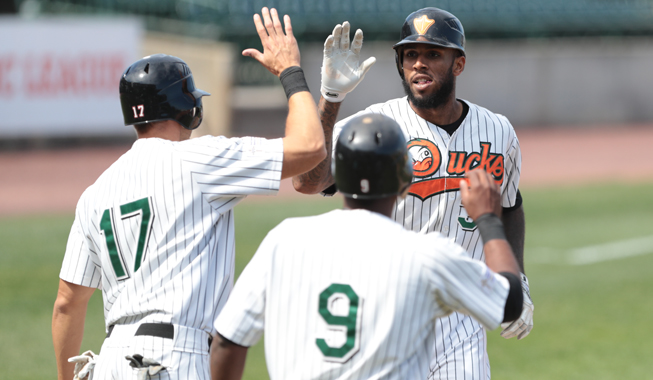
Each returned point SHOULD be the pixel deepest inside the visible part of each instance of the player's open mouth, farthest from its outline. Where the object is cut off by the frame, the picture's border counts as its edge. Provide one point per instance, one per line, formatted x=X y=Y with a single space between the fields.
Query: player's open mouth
x=421 y=82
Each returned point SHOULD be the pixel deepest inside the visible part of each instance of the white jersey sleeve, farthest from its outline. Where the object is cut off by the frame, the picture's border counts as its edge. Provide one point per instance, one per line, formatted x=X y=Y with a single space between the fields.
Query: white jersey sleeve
x=81 y=264
x=242 y=320
x=233 y=167
x=466 y=285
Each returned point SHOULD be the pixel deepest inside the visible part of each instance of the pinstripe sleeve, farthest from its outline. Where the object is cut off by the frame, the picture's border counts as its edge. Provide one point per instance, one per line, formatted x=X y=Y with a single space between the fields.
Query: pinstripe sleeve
x=512 y=168
x=233 y=167
x=81 y=264
x=467 y=286
x=243 y=318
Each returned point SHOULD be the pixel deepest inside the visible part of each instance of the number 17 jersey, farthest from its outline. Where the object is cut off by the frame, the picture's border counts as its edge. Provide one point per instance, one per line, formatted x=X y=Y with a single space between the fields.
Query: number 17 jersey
x=155 y=232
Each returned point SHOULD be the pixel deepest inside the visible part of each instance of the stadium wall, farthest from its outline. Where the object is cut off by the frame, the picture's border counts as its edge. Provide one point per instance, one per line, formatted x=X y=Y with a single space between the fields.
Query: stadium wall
x=534 y=82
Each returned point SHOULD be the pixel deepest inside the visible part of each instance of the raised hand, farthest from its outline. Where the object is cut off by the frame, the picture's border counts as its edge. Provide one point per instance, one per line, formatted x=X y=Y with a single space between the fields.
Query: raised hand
x=280 y=50
x=341 y=69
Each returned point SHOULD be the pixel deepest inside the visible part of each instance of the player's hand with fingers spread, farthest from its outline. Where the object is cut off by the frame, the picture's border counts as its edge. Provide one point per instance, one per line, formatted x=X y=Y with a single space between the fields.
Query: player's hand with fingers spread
x=521 y=327
x=280 y=50
x=341 y=67
x=480 y=194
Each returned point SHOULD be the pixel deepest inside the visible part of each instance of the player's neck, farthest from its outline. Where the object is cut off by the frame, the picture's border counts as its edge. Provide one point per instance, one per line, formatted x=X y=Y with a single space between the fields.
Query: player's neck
x=444 y=114
x=167 y=130
x=382 y=206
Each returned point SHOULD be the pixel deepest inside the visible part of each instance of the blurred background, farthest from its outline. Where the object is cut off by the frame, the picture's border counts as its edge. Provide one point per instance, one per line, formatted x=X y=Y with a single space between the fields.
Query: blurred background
x=541 y=63
x=573 y=77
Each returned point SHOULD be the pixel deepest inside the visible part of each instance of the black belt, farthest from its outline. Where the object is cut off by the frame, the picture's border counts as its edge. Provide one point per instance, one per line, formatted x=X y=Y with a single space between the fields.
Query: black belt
x=161 y=330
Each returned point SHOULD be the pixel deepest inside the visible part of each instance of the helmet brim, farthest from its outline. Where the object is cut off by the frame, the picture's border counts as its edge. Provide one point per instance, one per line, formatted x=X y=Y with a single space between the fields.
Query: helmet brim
x=423 y=39
x=197 y=93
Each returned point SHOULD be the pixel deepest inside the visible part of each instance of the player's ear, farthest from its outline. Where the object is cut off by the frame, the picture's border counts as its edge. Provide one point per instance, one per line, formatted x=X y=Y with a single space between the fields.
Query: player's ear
x=459 y=64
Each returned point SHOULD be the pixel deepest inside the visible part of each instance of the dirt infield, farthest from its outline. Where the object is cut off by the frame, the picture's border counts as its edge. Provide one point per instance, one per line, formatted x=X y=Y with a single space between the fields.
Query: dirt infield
x=52 y=181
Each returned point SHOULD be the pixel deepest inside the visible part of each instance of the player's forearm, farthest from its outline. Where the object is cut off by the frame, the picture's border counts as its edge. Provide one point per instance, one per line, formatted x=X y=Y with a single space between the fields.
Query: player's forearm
x=515 y=226
x=67 y=334
x=499 y=257
x=319 y=178
x=68 y=319
x=227 y=359
x=304 y=145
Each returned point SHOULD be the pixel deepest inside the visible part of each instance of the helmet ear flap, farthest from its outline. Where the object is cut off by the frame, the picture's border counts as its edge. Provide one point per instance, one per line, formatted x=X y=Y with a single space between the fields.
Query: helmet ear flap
x=399 y=60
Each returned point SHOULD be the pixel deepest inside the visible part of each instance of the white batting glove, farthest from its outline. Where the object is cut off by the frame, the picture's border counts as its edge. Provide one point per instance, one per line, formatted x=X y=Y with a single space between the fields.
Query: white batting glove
x=341 y=69
x=521 y=327
x=146 y=367
x=84 y=365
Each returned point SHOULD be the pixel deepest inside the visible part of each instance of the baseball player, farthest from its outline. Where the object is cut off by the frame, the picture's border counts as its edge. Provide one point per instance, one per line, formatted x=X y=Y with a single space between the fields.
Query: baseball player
x=362 y=304
x=155 y=232
x=446 y=137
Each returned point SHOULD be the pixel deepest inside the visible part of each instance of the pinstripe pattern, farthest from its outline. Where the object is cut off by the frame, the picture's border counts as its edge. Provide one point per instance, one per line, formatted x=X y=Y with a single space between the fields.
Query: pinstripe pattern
x=187 y=269
x=399 y=275
x=179 y=364
x=461 y=343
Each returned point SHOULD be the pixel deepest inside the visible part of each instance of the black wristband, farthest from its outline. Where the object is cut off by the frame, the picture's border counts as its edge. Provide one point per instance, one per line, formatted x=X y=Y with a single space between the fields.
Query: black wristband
x=490 y=227
x=515 y=301
x=292 y=80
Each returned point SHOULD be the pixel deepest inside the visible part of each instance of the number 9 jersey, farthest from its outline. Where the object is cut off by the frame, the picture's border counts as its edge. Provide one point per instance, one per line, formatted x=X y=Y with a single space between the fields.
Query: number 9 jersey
x=358 y=304
x=155 y=232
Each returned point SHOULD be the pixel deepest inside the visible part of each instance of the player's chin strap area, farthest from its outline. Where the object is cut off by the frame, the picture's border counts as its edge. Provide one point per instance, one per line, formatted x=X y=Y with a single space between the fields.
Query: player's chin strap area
x=146 y=367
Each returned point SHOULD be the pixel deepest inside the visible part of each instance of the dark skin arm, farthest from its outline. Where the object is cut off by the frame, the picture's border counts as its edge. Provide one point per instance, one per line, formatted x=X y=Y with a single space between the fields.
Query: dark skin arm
x=227 y=359
x=319 y=178
x=480 y=195
x=515 y=226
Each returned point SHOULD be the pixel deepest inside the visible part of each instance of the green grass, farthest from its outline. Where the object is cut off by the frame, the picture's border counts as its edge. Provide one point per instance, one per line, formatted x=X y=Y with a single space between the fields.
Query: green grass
x=591 y=321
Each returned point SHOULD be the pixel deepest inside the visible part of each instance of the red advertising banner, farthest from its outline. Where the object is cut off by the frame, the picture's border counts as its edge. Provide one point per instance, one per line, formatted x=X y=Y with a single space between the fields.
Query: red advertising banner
x=59 y=76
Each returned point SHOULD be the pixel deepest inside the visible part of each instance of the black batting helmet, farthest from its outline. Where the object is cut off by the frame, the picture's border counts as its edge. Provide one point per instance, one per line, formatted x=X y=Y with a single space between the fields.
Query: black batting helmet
x=160 y=87
x=371 y=159
x=431 y=26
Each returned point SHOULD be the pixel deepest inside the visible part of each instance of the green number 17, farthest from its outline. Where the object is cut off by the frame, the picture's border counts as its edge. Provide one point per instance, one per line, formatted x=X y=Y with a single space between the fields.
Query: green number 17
x=142 y=207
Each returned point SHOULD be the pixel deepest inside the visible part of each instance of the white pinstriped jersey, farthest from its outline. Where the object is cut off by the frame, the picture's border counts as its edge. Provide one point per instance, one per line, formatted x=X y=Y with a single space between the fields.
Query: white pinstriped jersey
x=359 y=304
x=483 y=139
x=155 y=232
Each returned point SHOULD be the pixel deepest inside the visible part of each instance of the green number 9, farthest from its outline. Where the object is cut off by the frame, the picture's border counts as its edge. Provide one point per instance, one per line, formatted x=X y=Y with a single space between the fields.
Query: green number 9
x=350 y=322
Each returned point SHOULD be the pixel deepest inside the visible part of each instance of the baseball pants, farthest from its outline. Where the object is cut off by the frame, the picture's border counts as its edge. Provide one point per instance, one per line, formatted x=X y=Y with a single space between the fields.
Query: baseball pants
x=182 y=350
x=460 y=359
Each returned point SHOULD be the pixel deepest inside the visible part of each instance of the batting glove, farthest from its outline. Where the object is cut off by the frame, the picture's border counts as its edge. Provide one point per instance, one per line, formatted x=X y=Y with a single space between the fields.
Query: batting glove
x=341 y=69
x=146 y=367
x=84 y=365
x=522 y=326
